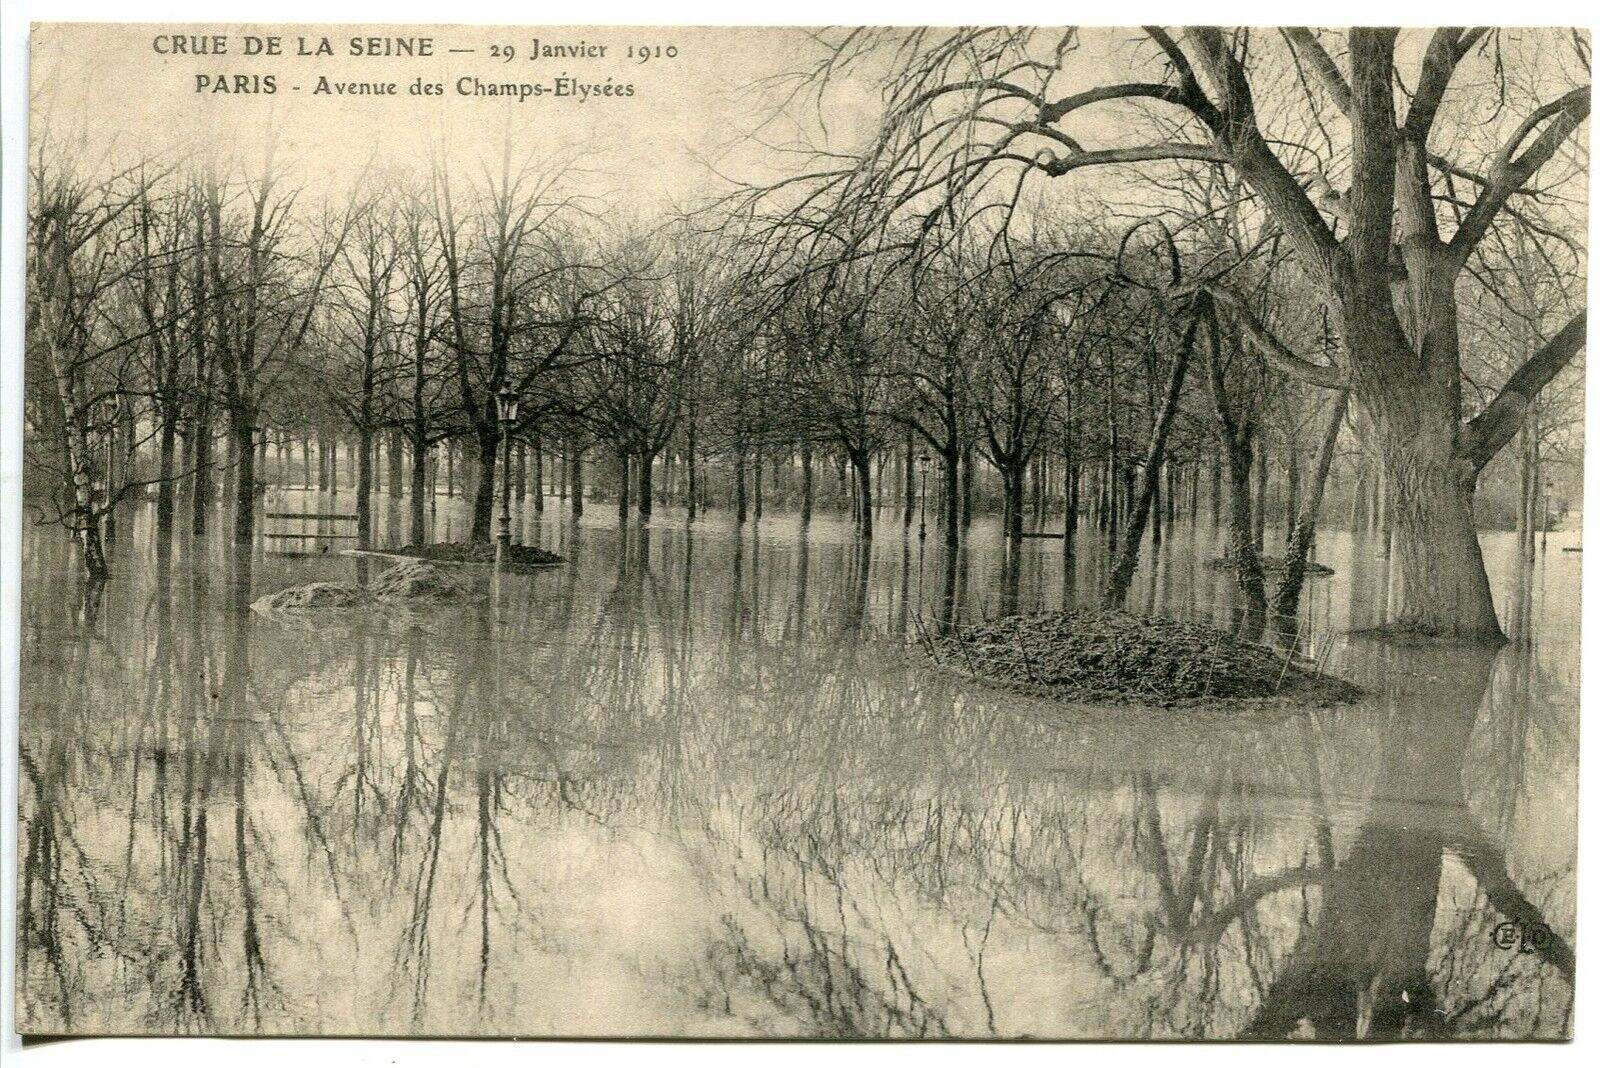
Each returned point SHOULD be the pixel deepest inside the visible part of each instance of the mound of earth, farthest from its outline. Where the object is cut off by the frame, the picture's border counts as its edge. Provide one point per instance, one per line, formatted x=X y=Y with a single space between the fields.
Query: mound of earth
x=1270 y=563
x=1116 y=656
x=314 y=596
x=518 y=557
x=406 y=583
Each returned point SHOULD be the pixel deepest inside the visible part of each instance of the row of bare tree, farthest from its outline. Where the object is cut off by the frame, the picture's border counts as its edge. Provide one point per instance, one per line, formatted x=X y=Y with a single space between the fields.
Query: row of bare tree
x=918 y=306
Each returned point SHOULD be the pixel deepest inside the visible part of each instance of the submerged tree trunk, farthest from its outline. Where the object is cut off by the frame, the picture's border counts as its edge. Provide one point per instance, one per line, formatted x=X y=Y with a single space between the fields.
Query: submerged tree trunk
x=966 y=485
x=952 y=496
x=624 y=484
x=396 y=460
x=488 y=438
x=647 y=485
x=419 y=487
x=1011 y=480
x=1150 y=476
x=806 y=486
x=691 y=472
x=200 y=475
x=1443 y=588
x=740 y=505
x=364 y=473
x=759 y=478
x=909 y=480
x=1069 y=519
x=577 y=483
x=1303 y=531
x=537 y=475
x=1241 y=551
x=862 y=463
x=166 y=496
x=1235 y=439
x=242 y=427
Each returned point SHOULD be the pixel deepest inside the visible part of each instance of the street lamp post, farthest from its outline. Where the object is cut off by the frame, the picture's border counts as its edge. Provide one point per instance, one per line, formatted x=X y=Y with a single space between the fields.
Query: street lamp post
x=506 y=400
x=922 y=526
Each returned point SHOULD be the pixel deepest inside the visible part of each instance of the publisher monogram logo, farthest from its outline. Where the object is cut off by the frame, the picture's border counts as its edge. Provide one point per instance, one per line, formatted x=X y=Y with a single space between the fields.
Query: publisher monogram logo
x=1523 y=937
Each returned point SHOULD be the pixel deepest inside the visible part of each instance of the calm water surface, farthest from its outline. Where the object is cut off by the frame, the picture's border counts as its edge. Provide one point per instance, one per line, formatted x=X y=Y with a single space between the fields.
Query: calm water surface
x=692 y=784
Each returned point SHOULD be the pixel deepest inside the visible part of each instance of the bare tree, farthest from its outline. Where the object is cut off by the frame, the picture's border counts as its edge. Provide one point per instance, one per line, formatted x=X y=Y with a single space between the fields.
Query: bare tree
x=962 y=104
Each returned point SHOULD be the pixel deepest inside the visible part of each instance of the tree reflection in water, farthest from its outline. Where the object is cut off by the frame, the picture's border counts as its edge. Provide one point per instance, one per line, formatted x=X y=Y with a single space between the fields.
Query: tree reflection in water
x=695 y=784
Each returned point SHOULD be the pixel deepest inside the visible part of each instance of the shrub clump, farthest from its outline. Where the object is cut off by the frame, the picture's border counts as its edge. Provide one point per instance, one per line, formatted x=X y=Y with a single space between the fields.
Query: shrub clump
x=1115 y=656
x=518 y=557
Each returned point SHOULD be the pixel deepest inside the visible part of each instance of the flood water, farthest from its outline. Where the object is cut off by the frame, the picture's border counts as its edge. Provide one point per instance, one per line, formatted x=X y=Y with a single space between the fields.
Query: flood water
x=692 y=783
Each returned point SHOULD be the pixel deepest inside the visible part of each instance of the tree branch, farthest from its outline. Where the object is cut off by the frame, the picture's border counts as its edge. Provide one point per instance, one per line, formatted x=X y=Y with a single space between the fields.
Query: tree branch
x=1311 y=52
x=1486 y=434
x=1511 y=172
x=1238 y=134
x=1141 y=154
x=1445 y=50
x=1274 y=351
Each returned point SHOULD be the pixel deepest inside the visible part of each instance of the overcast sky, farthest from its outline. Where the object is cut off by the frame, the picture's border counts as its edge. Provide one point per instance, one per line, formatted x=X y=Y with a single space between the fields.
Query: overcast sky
x=687 y=113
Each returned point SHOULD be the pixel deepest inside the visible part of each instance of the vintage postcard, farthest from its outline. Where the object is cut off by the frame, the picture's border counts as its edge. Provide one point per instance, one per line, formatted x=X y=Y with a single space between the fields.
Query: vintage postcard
x=1030 y=533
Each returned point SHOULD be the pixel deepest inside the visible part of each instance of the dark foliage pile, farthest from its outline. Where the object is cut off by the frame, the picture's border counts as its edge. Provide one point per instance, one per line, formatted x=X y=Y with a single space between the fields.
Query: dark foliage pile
x=518 y=557
x=1271 y=563
x=418 y=581
x=1115 y=656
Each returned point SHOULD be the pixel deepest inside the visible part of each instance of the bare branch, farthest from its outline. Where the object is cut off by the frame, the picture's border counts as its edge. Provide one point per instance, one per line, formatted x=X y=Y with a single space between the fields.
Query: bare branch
x=1494 y=426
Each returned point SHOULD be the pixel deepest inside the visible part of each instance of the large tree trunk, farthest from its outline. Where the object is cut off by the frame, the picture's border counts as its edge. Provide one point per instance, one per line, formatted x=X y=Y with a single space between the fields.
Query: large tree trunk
x=910 y=481
x=85 y=523
x=1069 y=519
x=862 y=462
x=419 y=487
x=1011 y=515
x=740 y=505
x=1215 y=497
x=166 y=503
x=242 y=435
x=691 y=461
x=396 y=460
x=364 y=447
x=577 y=482
x=624 y=484
x=488 y=439
x=967 y=475
x=759 y=480
x=647 y=484
x=537 y=475
x=807 y=489
x=323 y=461
x=952 y=496
x=1443 y=589
x=1241 y=544
x=200 y=476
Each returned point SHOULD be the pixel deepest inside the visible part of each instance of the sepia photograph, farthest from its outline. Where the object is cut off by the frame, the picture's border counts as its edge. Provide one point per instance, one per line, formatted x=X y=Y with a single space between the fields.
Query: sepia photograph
x=803 y=533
